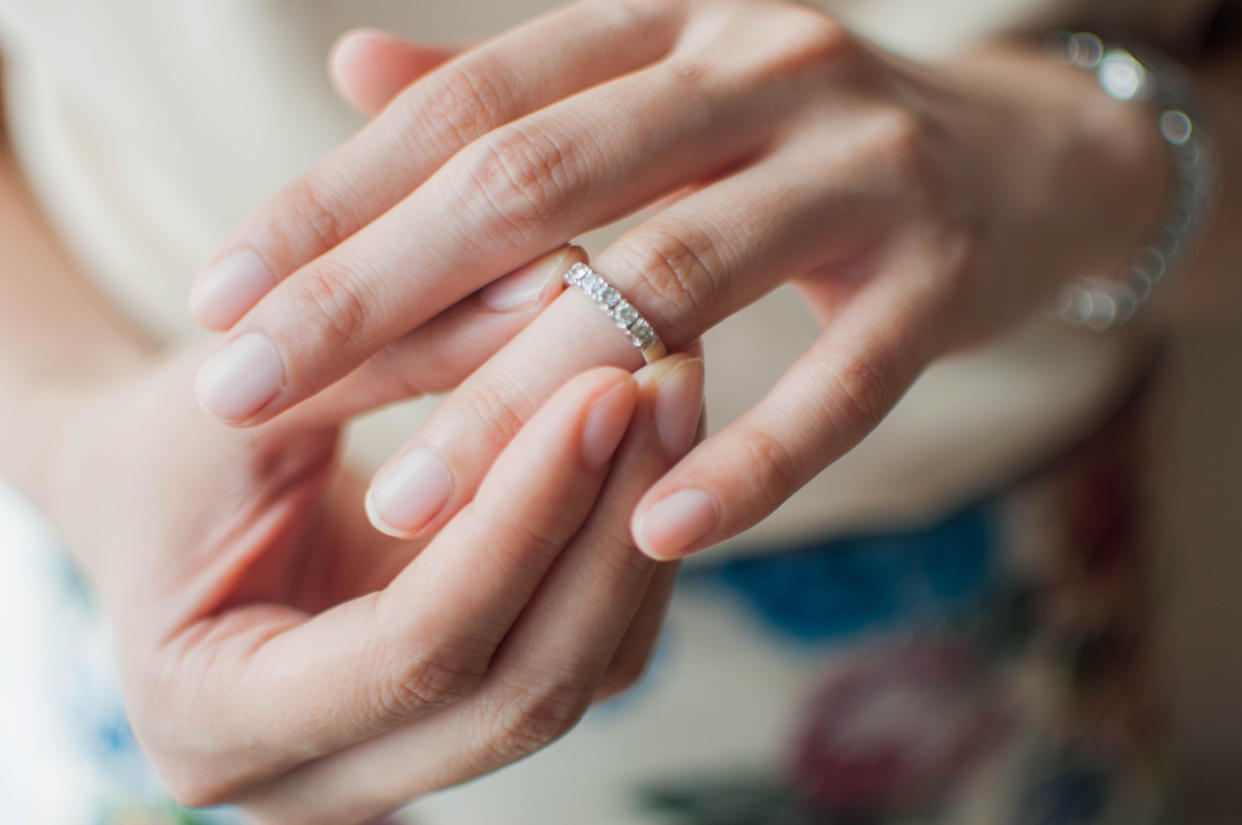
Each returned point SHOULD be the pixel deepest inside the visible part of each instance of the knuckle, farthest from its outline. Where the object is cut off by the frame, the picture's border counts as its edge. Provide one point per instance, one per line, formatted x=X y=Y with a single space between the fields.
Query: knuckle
x=957 y=247
x=430 y=679
x=775 y=469
x=175 y=744
x=534 y=717
x=806 y=41
x=617 y=563
x=860 y=394
x=197 y=782
x=309 y=205
x=421 y=667
x=522 y=177
x=332 y=297
x=462 y=103
x=628 y=15
x=675 y=275
x=499 y=410
x=625 y=673
x=543 y=538
x=815 y=39
x=186 y=788
x=902 y=140
x=403 y=377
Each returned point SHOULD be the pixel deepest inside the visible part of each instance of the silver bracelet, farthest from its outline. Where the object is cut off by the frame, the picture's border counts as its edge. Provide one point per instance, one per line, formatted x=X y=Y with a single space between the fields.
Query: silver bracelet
x=1100 y=303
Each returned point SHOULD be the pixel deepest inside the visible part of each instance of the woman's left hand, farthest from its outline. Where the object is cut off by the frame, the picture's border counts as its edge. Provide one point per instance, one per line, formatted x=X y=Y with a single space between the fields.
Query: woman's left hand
x=279 y=654
x=917 y=208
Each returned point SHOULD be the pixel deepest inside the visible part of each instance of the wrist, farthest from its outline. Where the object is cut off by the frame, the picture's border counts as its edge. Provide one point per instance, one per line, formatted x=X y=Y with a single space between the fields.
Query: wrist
x=37 y=424
x=1064 y=161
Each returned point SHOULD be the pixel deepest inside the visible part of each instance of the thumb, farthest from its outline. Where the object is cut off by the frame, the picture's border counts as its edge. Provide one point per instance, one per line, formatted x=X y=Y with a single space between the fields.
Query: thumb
x=369 y=67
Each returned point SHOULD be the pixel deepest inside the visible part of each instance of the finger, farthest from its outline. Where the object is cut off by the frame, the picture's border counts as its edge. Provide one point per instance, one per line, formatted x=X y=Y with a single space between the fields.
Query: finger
x=426 y=125
x=633 y=656
x=499 y=202
x=686 y=269
x=441 y=353
x=549 y=670
x=831 y=398
x=370 y=67
x=554 y=658
x=427 y=639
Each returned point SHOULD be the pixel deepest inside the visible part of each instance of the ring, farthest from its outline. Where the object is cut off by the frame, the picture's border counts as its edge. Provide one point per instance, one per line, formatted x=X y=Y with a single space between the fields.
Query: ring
x=627 y=318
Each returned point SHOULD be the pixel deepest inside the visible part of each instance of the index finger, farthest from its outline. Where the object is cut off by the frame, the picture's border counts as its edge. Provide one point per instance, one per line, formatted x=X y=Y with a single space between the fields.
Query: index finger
x=418 y=132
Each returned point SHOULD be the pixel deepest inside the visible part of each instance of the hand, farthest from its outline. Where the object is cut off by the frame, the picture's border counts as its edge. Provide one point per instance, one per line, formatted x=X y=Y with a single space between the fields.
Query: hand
x=274 y=647
x=917 y=208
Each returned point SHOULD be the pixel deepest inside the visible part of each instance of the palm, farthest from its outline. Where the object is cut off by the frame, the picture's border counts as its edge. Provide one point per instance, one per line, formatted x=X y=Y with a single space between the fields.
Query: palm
x=251 y=522
x=234 y=537
x=325 y=551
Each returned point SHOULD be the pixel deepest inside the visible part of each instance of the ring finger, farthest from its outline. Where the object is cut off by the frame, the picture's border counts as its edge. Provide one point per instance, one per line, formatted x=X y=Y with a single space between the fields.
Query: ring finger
x=687 y=268
x=503 y=200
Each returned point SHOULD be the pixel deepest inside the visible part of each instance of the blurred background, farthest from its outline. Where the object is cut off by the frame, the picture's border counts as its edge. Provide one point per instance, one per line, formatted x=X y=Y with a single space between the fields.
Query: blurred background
x=1201 y=446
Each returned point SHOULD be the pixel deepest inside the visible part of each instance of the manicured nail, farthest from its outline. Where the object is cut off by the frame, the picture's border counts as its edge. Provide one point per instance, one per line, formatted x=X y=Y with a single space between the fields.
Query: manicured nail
x=240 y=379
x=606 y=423
x=676 y=522
x=229 y=288
x=408 y=494
x=679 y=406
x=524 y=287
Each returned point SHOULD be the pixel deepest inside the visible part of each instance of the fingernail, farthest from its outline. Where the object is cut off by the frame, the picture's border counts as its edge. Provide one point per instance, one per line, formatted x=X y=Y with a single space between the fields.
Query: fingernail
x=606 y=423
x=241 y=378
x=229 y=288
x=679 y=406
x=408 y=494
x=523 y=288
x=676 y=522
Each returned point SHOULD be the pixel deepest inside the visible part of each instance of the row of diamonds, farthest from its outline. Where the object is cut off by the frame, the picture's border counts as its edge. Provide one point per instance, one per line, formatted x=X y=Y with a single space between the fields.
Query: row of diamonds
x=607 y=298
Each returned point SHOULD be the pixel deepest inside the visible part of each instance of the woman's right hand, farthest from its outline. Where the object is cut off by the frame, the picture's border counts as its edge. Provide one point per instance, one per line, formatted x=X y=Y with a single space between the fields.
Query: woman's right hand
x=279 y=653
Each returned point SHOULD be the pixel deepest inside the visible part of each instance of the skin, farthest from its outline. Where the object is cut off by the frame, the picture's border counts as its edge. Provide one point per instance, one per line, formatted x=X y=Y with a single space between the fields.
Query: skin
x=911 y=205
x=274 y=644
x=885 y=191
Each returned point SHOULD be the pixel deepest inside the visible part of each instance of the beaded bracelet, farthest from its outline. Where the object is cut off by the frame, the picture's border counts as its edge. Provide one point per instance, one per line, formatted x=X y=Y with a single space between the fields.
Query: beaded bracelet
x=1099 y=303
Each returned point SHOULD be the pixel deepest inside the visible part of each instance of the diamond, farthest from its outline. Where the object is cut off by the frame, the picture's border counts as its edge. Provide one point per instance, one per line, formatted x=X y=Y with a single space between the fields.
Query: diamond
x=610 y=300
x=625 y=314
x=642 y=334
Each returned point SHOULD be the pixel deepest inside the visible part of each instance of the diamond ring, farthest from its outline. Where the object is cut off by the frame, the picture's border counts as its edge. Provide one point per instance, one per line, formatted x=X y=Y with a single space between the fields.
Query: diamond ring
x=627 y=318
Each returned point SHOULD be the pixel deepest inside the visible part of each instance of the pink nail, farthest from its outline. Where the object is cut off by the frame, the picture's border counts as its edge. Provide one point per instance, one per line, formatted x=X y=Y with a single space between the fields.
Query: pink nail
x=676 y=522
x=679 y=406
x=606 y=423
x=407 y=495
x=229 y=288
x=241 y=379
x=524 y=287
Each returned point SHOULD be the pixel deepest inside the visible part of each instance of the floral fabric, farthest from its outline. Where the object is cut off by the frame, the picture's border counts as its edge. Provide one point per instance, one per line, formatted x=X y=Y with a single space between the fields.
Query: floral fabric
x=992 y=667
